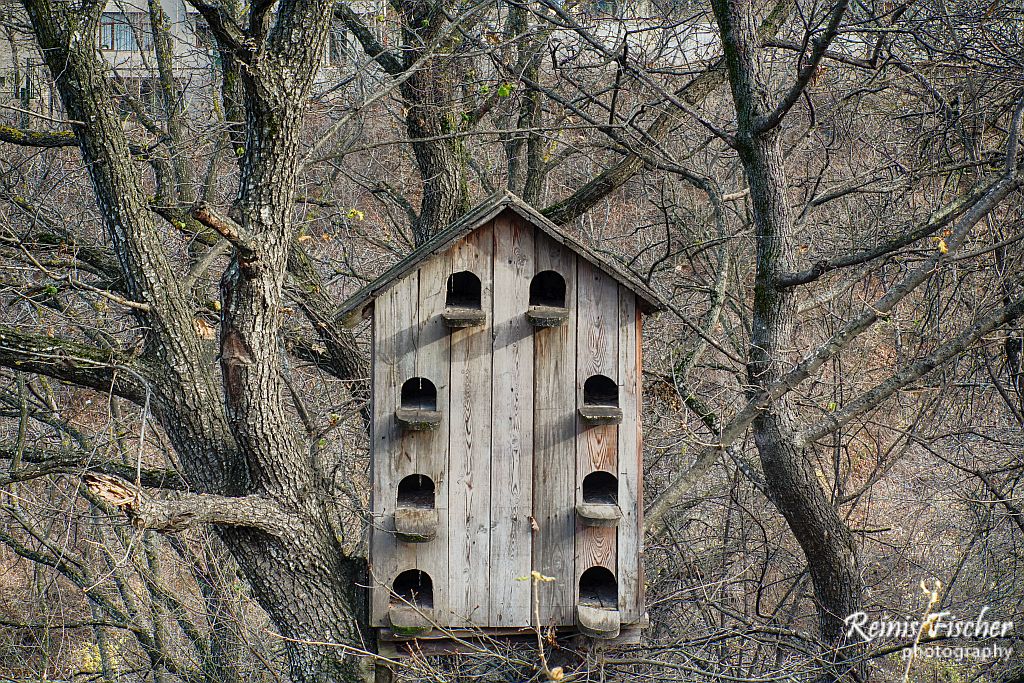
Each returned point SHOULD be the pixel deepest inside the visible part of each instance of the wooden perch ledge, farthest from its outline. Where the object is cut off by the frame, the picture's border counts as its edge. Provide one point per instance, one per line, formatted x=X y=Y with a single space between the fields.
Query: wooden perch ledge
x=179 y=511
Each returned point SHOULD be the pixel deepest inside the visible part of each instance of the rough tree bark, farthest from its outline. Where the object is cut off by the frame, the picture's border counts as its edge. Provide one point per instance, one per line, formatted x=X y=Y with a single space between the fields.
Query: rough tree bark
x=789 y=468
x=232 y=432
x=524 y=149
x=429 y=74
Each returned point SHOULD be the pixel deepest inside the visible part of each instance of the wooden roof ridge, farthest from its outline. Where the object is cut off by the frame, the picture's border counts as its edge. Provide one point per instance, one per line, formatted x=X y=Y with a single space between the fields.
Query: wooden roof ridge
x=351 y=310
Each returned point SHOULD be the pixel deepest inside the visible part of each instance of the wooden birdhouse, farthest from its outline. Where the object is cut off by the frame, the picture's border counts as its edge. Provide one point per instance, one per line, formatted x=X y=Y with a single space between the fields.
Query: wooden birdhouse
x=506 y=434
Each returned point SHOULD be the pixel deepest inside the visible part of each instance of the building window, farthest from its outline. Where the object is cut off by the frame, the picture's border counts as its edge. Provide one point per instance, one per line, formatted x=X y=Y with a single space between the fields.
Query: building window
x=124 y=31
x=609 y=7
x=203 y=34
x=337 y=48
x=22 y=86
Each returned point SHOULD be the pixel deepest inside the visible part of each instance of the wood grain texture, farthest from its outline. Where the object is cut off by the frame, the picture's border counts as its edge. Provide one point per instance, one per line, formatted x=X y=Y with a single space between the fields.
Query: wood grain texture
x=554 y=457
x=597 y=342
x=395 y=331
x=630 y=542
x=512 y=424
x=642 y=597
x=470 y=443
x=433 y=362
x=511 y=450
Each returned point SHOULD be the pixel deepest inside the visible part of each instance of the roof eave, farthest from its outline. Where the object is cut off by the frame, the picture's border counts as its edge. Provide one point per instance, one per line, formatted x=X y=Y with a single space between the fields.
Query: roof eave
x=355 y=308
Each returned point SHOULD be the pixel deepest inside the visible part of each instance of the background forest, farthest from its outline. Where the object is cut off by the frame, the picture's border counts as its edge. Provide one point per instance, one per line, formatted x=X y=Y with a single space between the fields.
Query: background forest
x=827 y=193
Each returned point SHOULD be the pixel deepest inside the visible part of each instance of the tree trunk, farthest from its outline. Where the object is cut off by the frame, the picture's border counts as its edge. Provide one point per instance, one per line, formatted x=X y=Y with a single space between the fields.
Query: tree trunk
x=239 y=441
x=790 y=473
x=524 y=150
x=432 y=120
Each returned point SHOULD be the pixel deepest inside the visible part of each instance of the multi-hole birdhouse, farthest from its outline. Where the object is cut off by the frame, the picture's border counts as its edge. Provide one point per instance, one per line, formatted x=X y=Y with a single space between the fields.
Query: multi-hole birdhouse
x=506 y=433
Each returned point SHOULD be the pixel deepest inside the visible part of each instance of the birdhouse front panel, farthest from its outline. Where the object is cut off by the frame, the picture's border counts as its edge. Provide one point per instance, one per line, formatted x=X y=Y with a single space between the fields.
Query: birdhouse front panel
x=506 y=439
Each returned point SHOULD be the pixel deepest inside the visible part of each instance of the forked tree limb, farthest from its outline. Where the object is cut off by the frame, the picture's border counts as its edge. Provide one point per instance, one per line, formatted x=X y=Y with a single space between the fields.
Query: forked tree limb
x=226 y=228
x=692 y=94
x=229 y=34
x=807 y=71
x=654 y=517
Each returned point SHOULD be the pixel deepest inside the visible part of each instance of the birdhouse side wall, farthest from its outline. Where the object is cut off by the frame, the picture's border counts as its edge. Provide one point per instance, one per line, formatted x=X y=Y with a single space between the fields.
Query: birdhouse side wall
x=410 y=340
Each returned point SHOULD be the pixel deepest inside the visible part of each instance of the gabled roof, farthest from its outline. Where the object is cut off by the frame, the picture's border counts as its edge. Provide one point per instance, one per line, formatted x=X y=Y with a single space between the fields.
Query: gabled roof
x=650 y=301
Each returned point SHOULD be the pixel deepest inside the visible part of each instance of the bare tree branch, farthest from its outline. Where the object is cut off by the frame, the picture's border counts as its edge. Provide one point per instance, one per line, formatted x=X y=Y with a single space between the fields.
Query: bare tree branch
x=80 y=364
x=807 y=72
x=871 y=399
x=182 y=510
x=939 y=219
x=692 y=94
x=42 y=462
x=654 y=517
x=228 y=33
x=388 y=61
x=37 y=138
x=226 y=228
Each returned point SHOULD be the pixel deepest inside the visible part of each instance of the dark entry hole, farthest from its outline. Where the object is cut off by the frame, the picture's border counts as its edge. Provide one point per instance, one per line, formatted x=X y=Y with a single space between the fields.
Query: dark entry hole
x=415 y=587
x=599 y=390
x=419 y=394
x=547 y=289
x=601 y=488
x=463 y=291
x=416 y=490
x=599 y=589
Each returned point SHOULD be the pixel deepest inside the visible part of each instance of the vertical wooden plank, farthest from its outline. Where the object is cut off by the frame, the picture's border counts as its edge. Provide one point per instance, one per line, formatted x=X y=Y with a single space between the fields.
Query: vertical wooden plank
x=630 y=460
x=641 y=576
x=512 y=424
x=554 y=453
x=395 y=332
x=597 y=341
x=433 y=362
x=470 y=443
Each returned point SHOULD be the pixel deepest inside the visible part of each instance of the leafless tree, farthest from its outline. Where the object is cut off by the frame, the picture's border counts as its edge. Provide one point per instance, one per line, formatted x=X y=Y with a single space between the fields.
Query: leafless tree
x=827 y=192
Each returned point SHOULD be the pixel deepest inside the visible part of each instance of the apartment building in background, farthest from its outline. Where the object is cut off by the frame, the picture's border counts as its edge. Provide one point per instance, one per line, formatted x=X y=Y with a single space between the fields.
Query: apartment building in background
x=125 y=39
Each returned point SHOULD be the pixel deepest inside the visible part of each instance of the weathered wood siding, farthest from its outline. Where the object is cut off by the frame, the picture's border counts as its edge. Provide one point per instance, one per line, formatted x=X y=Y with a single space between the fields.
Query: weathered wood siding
x=433 y=362
x=469 y=492
x=395 y=331
x=597 y=353
x=512 y=424
x=554 y=448
x=510 y=455
x=630 y=542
